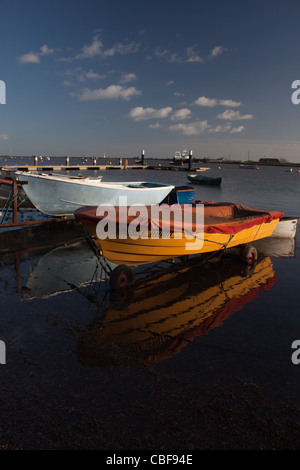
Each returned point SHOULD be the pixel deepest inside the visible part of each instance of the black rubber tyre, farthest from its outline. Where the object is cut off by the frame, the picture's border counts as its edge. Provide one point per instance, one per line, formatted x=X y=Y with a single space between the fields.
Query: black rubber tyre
x=121 y=277
x=249 y=255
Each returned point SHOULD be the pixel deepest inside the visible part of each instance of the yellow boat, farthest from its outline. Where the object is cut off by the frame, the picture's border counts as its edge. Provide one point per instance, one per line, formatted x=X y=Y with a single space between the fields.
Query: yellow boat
x=225 y=225
x=168 y=311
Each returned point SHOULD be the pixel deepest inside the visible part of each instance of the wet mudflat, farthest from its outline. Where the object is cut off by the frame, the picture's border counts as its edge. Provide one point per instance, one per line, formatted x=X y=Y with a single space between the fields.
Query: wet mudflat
x=193 y=358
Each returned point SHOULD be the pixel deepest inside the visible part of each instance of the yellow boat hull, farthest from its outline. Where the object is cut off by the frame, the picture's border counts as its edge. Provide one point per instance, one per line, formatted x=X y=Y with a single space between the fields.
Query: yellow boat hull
x=147 y=250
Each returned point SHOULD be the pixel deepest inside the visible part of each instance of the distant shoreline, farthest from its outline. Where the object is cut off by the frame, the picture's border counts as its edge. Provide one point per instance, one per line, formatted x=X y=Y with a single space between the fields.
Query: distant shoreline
x=165 y=159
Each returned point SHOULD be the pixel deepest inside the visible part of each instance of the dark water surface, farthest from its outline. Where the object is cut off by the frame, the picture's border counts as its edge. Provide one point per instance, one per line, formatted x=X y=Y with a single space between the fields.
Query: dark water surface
x=193 y=357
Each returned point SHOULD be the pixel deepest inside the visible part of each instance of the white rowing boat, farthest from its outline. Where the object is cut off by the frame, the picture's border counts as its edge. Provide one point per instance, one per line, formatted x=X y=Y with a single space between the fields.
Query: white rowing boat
x=61 y=195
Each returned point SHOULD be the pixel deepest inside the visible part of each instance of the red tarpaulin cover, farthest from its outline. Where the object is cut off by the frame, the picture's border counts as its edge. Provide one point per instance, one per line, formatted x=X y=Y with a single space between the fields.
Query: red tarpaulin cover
x=218 y=217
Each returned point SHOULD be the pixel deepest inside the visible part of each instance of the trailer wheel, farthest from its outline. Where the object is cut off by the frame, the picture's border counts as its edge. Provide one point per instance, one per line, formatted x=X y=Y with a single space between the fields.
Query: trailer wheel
x=121 y=277
x=249 y=255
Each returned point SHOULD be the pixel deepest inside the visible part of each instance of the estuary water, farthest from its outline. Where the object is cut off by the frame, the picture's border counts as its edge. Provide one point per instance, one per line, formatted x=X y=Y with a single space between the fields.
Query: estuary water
x=192 y=357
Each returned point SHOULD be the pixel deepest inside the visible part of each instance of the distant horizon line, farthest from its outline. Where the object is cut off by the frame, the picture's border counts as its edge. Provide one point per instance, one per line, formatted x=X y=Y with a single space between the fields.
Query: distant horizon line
x=264 y=161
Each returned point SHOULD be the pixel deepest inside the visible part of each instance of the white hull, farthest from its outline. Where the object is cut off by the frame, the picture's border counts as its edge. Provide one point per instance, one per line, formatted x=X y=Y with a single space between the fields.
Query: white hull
x=281 y=244
x=286 y=228
x=61 y=196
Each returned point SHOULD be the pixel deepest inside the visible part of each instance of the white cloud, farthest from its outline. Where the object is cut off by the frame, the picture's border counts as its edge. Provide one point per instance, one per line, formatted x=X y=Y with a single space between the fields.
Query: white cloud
x=193 y=128
x=96 y=49
x=4 y=136
x=121 y=49
x=93 y=75
x=237 y=129
x=154 y=126
x=80 y=75
x=230 y=103
x=128 y=77
x=183 y=113
x=29 y=58
x=221 y=128
x=191 y=56
x=234 y=115
x=45 y=50
x=160 y=53
x=110 y=93
x=216 y=51
x=34 y=57
x=141 y=114
x=211 y=102
x=203 y=101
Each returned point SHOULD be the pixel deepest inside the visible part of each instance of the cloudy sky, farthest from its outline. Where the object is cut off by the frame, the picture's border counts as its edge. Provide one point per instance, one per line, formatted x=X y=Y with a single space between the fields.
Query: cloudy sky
x=117 y=76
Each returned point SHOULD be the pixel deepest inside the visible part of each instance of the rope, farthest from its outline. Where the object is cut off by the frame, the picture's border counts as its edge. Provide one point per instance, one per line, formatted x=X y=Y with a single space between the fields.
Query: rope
x=9 y=201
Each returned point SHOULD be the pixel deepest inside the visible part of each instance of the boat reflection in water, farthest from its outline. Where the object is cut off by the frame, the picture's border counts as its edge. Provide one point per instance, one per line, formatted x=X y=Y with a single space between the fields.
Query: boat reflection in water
x=63 y=269
x=75 y=265
x=276 y=247
x=166 y=308
x=170 y=310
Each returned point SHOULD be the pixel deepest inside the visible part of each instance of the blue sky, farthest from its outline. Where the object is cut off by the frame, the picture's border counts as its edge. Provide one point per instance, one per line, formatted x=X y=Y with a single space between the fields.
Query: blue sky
x=115 y=77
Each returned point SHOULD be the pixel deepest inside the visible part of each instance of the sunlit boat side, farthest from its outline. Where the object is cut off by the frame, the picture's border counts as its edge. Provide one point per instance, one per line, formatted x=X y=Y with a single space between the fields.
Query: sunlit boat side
x=225 y=225
x=61 y=195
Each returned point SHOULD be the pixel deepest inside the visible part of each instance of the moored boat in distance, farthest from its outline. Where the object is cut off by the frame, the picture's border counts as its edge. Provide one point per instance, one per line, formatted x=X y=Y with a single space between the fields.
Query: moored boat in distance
x=201 y=179
x=181 y=157
x=203 y=168
x=185 y=156
x=249 y=167
x=61 y=195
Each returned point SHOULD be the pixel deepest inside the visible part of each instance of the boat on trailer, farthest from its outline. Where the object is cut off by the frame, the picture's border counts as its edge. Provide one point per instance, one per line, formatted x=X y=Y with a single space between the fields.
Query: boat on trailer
x=60 y=195
x=225 y=225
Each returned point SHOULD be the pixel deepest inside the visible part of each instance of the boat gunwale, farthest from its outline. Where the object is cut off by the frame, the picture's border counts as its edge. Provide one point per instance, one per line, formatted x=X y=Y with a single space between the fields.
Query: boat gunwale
x=90 y=182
